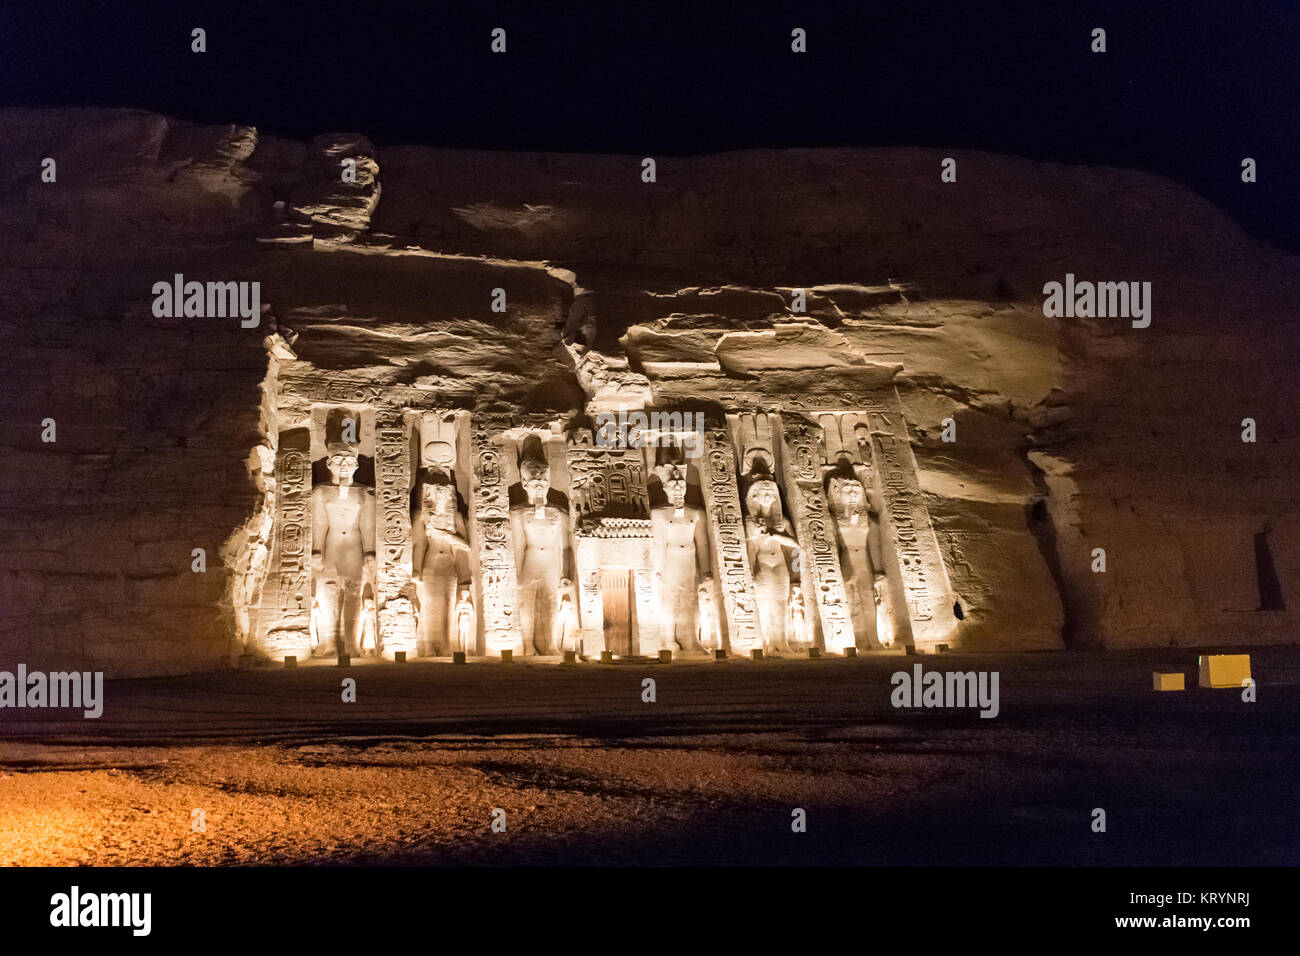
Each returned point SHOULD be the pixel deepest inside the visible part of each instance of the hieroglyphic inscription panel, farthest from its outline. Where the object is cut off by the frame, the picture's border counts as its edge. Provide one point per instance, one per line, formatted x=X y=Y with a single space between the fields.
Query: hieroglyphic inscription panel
x=284 y=614
x=907 y=520
x=393 y=535
x=820 y=571
x=727 y=533
x=490 y=517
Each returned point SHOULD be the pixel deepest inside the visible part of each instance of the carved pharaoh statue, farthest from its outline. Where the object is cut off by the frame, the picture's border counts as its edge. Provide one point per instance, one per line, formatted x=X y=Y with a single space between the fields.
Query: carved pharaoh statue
x=343 y=551
x=771 y=547
x=439 y=563
x=858 y=531
x=681 y=561
x=543 y=554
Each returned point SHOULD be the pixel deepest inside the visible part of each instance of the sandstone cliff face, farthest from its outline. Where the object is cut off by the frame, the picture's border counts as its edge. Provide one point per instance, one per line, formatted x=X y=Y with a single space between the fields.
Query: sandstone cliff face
x=1072 y=434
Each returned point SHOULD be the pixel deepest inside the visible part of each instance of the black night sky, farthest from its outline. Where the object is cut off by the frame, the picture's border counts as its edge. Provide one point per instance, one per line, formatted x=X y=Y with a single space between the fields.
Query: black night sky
x=1185 y=89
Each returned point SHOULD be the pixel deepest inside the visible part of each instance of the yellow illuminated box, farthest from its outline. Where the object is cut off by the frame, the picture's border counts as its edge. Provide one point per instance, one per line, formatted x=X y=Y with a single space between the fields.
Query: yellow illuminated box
x=1168 y=681
x=1223 y=670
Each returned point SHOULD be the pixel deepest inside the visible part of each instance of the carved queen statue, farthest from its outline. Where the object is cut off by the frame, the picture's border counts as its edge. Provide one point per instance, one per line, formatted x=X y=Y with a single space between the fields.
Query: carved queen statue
x=439 y=563
x=858 y=532
x=771 y=548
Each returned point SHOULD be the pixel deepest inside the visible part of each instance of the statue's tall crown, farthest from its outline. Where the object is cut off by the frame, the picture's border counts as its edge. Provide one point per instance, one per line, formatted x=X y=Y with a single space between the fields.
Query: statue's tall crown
x=532 y=459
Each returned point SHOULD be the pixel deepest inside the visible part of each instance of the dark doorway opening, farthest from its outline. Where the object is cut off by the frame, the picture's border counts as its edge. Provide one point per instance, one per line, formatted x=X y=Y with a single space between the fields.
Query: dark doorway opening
x=1270 y=588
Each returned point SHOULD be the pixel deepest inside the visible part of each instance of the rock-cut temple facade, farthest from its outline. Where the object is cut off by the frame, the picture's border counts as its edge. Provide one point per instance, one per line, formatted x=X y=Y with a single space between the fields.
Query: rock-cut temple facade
x=777 y=519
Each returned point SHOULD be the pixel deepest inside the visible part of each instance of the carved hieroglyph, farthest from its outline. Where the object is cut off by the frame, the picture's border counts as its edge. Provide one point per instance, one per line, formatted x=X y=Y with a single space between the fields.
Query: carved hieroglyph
x=284 y=613
x=822 y=581
x=491 y=529
x=907 y=527
x=727 y=531
x=393 y=481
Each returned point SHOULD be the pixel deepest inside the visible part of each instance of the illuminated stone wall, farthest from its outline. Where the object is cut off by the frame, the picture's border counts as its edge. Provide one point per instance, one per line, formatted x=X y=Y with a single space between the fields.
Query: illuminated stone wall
x=606 y=479
x=158 y=532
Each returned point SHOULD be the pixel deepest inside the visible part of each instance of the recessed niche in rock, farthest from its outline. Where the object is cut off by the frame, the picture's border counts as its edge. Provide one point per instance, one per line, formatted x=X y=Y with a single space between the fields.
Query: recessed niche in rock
x=400 y=523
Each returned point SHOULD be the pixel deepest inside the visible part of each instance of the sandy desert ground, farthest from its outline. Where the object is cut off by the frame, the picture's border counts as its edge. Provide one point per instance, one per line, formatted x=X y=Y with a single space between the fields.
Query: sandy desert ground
x=587 y=773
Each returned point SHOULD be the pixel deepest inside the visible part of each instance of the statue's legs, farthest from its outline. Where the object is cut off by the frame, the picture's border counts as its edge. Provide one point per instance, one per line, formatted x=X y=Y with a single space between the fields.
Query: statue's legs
x=681 y=604
x=862 y=609
x=544 y=609
x=884 y=626
x=773 y=593
x=328 y=604
x=527 y=611
x=544 y=617
x=350 y=613
x=439 y=594
x=537 y=606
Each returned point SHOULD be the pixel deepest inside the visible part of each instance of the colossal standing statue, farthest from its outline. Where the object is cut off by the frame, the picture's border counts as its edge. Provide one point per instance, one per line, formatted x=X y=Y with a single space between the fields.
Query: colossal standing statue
x=681 y=560
x=771 y=546
x=439 y=563
x=859 y=544
x=543 y=554
x=343 y=551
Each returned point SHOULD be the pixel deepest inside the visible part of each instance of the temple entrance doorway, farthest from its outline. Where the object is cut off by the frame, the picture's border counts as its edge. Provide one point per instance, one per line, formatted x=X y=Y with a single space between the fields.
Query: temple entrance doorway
x=617 y=603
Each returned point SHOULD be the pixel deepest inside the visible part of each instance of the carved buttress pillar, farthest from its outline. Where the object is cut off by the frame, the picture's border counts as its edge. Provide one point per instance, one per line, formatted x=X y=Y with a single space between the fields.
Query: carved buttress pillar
x=820 y=573
x=727 y=535
x=393 y=534
x=284 y=612
x=490 y=528
x=909 y=534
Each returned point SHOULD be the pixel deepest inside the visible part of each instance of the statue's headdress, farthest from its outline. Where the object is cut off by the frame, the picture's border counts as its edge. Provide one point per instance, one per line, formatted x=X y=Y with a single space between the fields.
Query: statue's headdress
x=758 y=462
x=439 y=454
x=342 y=432
x=839 y=476
x=532 y=459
